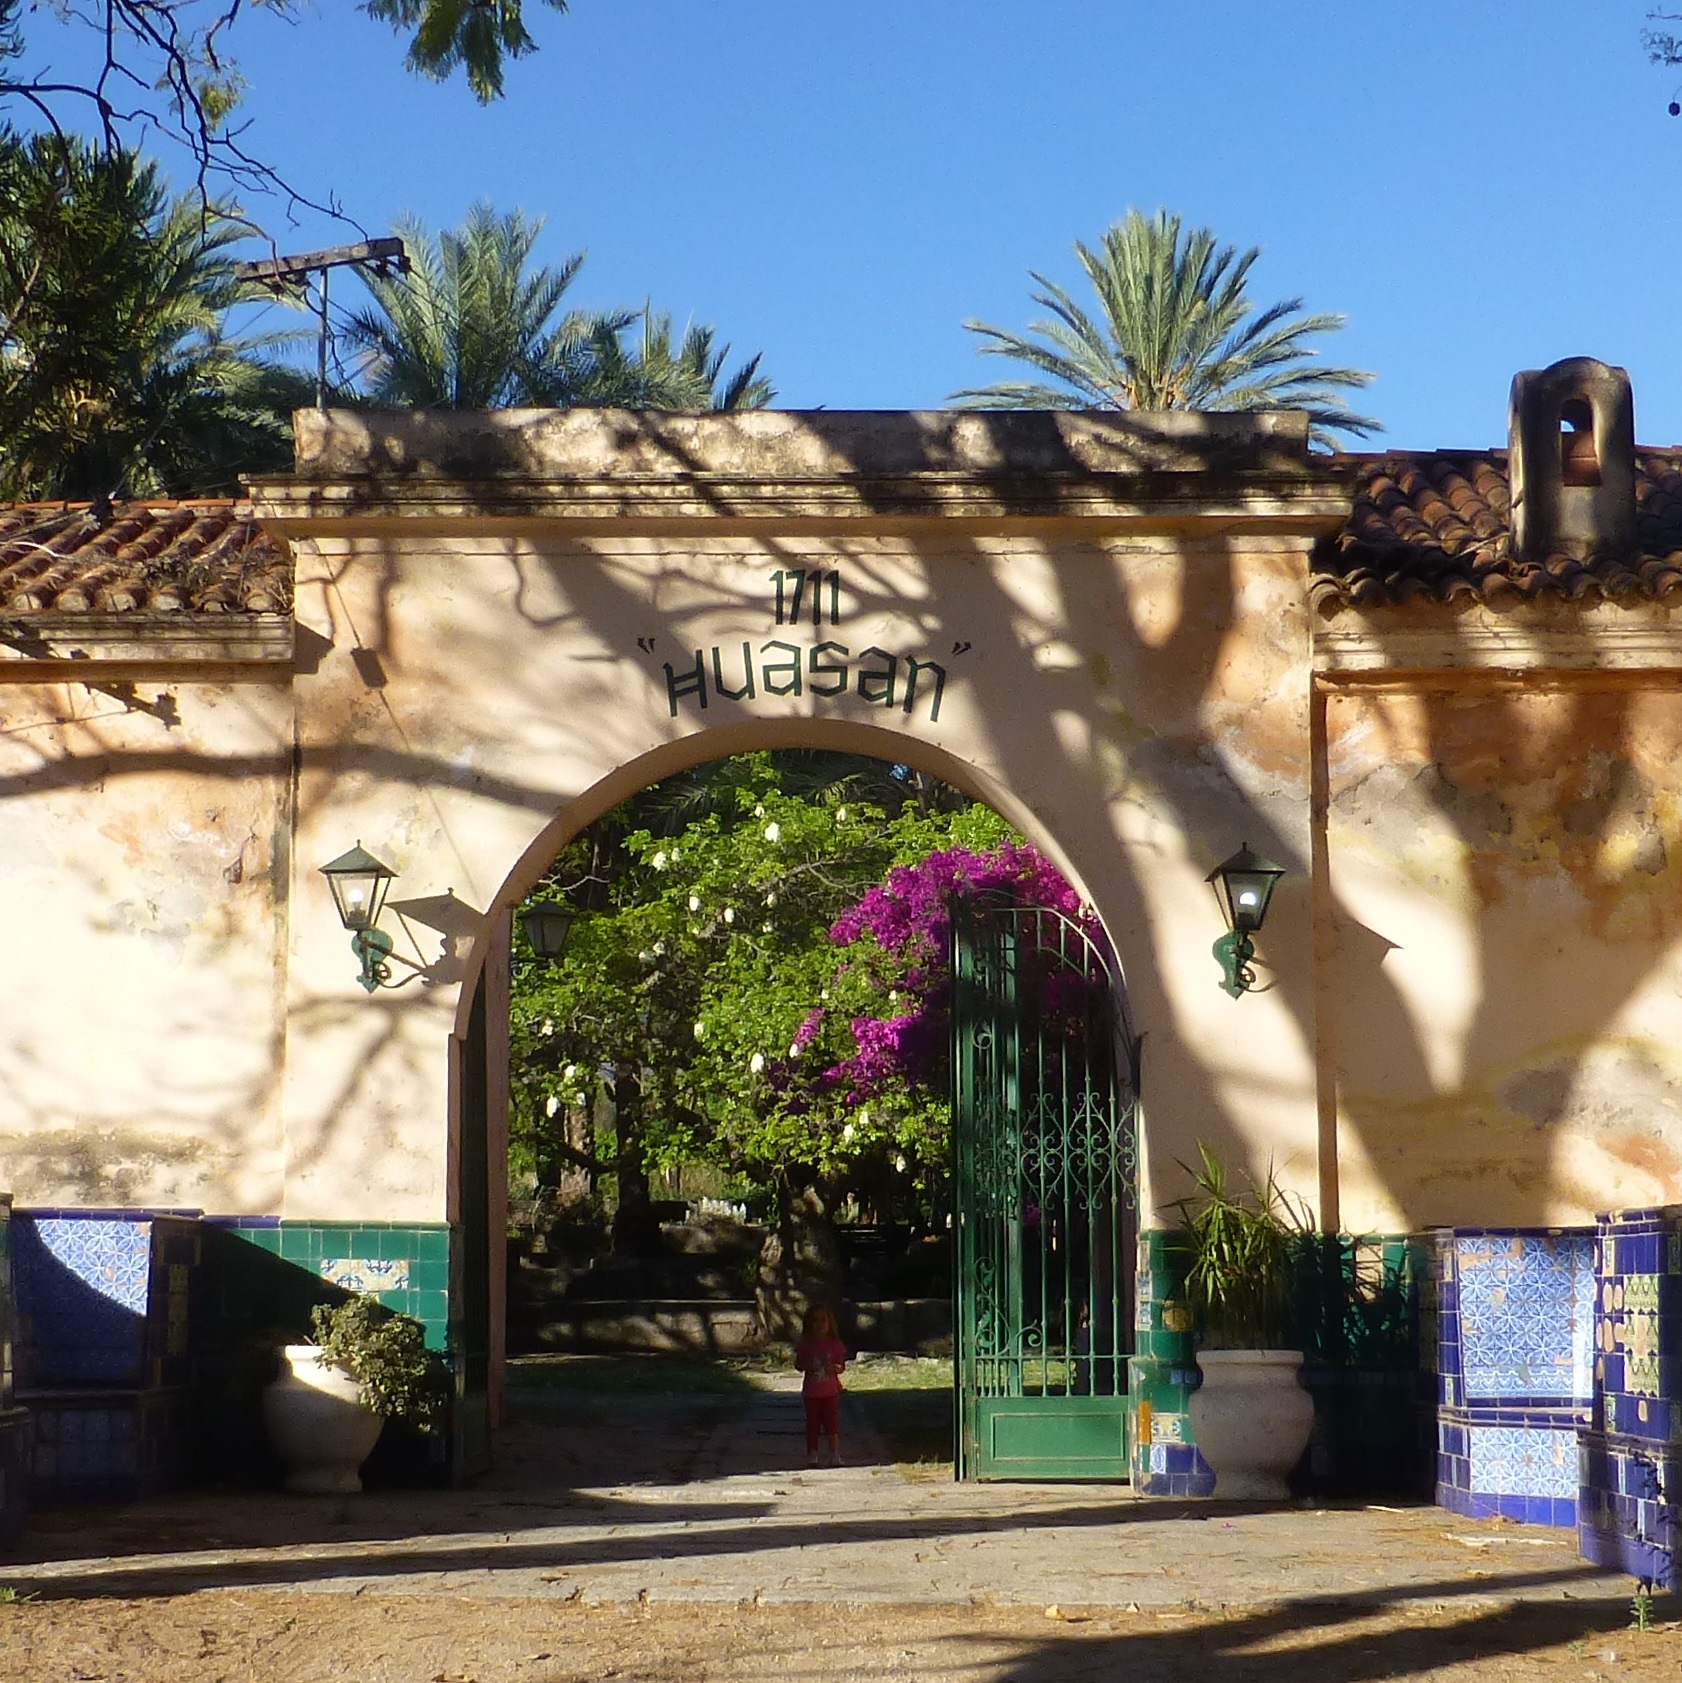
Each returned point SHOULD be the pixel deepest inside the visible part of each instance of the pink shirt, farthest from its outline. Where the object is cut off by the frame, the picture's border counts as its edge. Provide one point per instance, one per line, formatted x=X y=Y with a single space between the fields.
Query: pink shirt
x=821 y=1360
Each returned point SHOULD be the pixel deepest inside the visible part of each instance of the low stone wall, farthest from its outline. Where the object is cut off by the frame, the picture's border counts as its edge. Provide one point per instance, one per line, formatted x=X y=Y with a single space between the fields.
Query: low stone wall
x=731 y=1326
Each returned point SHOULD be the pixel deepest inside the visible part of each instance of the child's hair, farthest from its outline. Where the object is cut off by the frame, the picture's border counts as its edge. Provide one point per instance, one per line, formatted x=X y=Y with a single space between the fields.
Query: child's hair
x=810 y=1326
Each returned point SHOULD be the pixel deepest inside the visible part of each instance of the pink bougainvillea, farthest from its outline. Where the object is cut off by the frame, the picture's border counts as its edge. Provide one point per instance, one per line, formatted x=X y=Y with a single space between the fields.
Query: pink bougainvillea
x=910 y=917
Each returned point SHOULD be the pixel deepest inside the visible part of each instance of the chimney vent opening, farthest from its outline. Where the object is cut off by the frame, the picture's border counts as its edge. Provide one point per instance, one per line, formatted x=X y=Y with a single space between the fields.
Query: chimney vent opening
x=1579 y=462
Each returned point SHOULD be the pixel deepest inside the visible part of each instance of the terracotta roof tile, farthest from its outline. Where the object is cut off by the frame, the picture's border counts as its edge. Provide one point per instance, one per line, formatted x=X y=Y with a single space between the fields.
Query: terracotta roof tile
x=1438 y=528
x=152 y=557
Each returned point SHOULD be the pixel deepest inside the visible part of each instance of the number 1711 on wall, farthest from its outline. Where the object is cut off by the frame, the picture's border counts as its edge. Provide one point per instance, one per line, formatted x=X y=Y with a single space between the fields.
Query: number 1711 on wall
x=795 y=584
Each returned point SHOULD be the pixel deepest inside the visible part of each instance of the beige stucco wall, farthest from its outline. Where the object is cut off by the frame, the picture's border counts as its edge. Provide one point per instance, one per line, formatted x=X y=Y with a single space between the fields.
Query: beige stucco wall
x=143 y=852
x=1472 y=968
x=1138 y=705
x=1505 y=950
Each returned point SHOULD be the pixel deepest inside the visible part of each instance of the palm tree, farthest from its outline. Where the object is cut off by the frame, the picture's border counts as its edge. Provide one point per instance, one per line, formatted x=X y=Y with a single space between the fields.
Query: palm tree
x=474 y=328
x=1175 y=329
x=118 y=375
x=652 y=373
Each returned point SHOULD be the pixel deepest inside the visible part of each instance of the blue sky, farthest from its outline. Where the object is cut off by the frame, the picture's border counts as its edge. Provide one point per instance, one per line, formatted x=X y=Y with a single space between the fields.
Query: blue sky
x=1480 y=186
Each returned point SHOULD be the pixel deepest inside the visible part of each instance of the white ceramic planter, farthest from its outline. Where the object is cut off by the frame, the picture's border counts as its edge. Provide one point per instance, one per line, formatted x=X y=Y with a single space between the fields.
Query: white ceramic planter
x=1251 y=1419
x=322 y=1432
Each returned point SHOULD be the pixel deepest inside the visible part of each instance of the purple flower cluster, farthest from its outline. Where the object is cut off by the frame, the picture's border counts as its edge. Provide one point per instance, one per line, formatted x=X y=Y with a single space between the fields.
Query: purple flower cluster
x=910 y=917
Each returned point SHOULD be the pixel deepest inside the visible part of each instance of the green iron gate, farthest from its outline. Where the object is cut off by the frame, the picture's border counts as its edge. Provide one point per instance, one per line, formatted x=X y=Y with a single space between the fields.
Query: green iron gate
x=1044 y=1124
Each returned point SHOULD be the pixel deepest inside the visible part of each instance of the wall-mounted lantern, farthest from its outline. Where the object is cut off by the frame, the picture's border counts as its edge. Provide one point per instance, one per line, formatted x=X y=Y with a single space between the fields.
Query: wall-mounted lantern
x=1243 y=885
x=359 y=883
x=547 y=924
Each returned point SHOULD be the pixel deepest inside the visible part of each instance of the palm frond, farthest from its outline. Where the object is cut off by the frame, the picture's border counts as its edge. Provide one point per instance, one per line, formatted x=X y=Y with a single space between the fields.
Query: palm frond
x=1174 y=328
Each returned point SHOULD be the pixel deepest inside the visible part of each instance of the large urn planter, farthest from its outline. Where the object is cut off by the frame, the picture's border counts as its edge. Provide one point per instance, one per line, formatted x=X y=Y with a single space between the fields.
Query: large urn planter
x=322 y=1432
x=1251 y=1420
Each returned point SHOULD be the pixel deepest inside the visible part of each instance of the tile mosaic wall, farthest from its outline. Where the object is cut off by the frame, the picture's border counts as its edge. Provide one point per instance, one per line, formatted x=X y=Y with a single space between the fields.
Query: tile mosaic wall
x=1630 y=1516
x=405 y=1265
x=103 y=1298
x=1513 y=1311
x=14 y=1471
x=1161 y=1377
x=1526 y=1312
x=92 y=1446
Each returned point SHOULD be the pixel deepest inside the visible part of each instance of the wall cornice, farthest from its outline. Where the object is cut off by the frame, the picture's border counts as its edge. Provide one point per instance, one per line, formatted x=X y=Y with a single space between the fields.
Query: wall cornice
x=64 y=642
x=1604 y=637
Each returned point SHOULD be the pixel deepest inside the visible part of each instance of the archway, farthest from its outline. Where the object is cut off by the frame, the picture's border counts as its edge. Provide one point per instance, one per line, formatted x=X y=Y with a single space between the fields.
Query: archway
x=483 y=1106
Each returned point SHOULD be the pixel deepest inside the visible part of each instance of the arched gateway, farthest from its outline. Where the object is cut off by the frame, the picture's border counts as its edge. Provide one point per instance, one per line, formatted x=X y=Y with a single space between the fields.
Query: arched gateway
x=456 y=639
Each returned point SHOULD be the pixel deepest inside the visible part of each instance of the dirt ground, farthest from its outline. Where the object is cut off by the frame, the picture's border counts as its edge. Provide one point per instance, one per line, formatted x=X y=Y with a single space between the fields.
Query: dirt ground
x=223 y=1636
x=99 y=1596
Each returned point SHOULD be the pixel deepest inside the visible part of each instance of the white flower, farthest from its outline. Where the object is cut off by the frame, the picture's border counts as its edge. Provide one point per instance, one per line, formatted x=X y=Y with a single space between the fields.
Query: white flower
x=660 y=948
x=794 y=1049
x=700 y=1031
x=729 y=914
x=645 y=956
x=767 y=927
x=659 y=860
x=757 y=1062
x=675 y=856
x=864 y=1117
x=773 y=830
x=759 y=811
x=694 y=902
x=899 y=1164
x=847 y=1134
x=823 y=993
x=569 y=1072
x=551 y=1105
x=893 y=994
x=840 y=815
x=548 y=1026
x=770 y=899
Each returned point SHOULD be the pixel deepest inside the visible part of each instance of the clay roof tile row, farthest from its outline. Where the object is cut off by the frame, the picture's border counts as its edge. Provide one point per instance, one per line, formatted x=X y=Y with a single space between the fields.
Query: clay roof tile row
x=1438 y=528
x=203 y=557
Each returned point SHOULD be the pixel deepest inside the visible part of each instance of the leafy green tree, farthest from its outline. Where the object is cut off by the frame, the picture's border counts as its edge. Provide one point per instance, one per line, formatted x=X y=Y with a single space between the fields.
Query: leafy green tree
x=1175 y=328
x=471 y=35
x=706 y=980
x=476 y=326
x=118 y=375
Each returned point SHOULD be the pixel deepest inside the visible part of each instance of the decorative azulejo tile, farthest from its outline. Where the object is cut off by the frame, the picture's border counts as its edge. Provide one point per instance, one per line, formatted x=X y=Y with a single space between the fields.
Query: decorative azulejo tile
x=1525 y=1312
x=365 y=1274
x=1521 y=1461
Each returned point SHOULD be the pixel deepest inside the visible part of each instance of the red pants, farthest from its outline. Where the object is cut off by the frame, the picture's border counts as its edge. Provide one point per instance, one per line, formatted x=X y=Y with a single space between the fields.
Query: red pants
x=823 y=1414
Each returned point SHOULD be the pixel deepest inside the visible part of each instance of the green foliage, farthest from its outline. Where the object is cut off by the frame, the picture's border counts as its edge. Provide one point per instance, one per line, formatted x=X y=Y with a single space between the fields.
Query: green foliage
x=1642 y=1605
x=1245 y=1250
x=706 y=968
x=385 y=1354
x=475 y=326
x=473 y=35
x=1175 y=329
x=117 y=373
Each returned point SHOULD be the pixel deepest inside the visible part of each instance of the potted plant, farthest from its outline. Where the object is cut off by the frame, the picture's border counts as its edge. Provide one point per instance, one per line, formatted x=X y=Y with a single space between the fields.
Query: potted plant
x=326 y=1410
x=1250 y=1418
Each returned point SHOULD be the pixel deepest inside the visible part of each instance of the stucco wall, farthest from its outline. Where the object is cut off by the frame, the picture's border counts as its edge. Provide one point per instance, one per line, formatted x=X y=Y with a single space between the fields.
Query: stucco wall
x=1137 y=704
x=143 y=851
x=1503 y=959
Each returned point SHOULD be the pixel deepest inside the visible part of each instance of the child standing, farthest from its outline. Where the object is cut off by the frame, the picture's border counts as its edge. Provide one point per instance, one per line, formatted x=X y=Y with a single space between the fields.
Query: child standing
x=822 y=1358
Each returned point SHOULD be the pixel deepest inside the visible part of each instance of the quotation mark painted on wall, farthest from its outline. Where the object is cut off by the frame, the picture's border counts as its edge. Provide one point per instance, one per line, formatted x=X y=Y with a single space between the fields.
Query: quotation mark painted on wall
x=961 y=648
x=646 y=644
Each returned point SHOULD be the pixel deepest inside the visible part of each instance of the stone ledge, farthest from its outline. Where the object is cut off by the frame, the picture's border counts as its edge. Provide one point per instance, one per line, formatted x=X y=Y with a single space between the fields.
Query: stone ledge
x=141 y=639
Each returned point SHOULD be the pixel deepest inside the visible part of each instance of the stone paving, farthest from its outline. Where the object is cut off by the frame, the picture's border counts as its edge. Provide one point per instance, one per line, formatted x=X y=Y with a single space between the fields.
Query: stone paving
x=641 y=1505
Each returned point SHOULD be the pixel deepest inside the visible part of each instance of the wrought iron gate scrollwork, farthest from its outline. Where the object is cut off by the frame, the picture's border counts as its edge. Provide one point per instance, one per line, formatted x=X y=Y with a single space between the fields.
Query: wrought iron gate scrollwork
x=1045 y=1151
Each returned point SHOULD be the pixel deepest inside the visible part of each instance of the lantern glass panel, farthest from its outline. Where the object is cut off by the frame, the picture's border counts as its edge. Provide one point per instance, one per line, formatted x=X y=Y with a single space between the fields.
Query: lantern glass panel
x=547 y=926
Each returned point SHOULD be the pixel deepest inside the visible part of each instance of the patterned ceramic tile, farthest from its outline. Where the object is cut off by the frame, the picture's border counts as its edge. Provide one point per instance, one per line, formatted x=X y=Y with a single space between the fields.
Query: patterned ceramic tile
x=365 y=1274
x=1513 y=1461
x=1526 y=1315
x=113 y=1257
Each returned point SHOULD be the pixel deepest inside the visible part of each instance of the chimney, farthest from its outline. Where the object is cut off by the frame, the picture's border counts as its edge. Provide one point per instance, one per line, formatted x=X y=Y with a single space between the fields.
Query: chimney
x=1571 y=434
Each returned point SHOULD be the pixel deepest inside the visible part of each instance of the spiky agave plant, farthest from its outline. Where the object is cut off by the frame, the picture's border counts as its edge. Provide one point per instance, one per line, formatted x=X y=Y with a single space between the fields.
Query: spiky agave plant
x=1244 y=1249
